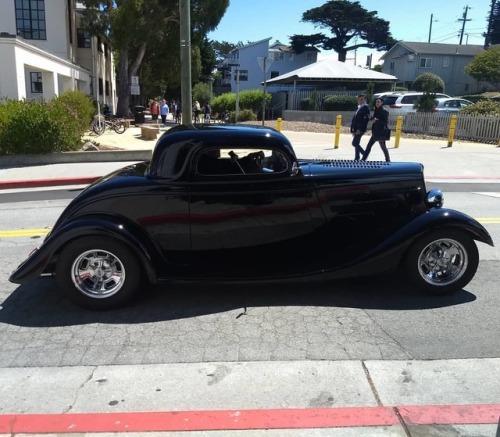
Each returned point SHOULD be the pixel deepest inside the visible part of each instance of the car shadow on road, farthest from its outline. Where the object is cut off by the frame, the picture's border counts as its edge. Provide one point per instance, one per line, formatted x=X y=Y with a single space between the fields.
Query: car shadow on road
x=41 y=304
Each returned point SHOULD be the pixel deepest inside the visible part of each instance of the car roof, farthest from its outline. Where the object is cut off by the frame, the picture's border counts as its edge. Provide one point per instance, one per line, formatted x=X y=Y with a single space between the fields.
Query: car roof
x=177 y=145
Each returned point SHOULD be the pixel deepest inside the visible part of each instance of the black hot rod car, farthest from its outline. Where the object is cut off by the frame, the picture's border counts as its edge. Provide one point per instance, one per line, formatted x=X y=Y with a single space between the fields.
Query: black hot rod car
x=234 y=203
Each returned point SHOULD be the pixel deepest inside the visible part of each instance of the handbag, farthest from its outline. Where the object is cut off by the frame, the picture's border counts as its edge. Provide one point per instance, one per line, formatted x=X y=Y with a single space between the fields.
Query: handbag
x=387 y=133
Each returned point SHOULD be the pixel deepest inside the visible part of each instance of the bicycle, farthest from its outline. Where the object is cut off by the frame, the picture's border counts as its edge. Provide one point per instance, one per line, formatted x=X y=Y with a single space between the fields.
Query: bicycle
x=101 y=122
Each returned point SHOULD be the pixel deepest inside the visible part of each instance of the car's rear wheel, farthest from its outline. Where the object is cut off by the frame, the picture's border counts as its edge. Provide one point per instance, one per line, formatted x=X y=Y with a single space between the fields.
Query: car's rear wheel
x=98 y=273
x=442 y=262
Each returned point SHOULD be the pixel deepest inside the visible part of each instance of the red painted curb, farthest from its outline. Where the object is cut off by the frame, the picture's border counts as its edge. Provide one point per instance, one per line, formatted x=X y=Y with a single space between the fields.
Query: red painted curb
x=52 y=182
x=249 y=419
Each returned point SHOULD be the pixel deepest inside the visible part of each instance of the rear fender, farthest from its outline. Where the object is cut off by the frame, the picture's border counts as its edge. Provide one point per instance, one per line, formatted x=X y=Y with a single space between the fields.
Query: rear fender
x=42 y=260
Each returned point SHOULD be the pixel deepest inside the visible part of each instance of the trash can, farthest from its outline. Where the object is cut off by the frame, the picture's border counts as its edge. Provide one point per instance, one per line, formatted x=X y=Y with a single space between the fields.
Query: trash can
x=138 y=114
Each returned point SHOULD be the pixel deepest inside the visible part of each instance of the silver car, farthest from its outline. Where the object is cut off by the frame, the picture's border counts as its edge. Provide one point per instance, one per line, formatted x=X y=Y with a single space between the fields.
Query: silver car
x=451 y=104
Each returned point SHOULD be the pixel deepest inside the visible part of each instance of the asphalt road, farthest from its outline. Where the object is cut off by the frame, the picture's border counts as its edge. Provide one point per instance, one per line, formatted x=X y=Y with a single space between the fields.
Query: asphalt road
x=363 y=319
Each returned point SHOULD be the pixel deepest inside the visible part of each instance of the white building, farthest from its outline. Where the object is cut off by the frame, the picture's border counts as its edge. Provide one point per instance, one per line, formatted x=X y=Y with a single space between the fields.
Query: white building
x=45 y=51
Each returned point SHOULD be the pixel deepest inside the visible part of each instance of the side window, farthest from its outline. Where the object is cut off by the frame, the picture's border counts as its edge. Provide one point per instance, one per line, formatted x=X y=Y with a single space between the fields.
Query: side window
x=409 y=99
x=238 y=161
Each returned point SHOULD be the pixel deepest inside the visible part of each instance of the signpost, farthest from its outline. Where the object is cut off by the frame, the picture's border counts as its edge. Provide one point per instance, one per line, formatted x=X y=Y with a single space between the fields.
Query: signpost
x=265 y=65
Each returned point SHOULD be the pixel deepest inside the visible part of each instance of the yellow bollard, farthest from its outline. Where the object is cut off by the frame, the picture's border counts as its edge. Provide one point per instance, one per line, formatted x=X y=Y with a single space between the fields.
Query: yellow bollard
x=278 y=124
x=399 y=125
x=338 y=124
x=451 y=132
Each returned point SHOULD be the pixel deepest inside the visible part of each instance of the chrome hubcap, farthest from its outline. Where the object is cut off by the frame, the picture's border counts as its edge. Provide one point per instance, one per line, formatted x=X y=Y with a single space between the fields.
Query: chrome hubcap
x=442 y=262
x=98 y=274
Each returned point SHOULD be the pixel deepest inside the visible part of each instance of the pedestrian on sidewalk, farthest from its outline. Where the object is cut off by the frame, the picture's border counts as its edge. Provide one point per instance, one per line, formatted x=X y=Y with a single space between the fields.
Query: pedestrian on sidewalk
x=358 y=126
x=164 y=111
x=380 y=119
x=154 y=110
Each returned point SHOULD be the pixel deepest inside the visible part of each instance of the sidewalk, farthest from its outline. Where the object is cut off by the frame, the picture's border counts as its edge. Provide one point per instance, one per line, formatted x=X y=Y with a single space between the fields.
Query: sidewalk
x=250 y=399
x=461 y=162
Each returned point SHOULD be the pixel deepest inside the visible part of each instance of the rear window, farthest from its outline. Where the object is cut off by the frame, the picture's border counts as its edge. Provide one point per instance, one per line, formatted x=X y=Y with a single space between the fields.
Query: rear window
x=409 y=99
x=390 y=100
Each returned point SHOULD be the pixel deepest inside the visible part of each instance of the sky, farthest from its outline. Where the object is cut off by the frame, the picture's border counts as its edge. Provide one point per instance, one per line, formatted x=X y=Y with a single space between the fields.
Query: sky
x=254 y=20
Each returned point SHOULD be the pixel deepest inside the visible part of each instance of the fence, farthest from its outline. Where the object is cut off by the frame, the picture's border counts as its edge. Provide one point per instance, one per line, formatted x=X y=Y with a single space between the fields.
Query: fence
x=297 y=96
x=469 y=127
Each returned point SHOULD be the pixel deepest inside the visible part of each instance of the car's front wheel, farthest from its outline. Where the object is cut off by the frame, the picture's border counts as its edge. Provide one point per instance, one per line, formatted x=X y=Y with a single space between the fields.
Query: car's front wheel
x=443 y=261
x=98 y=273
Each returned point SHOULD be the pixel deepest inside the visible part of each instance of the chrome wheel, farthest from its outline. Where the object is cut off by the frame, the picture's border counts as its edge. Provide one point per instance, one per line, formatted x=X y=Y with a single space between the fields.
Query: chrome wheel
x=442 y=262
x=98 y=273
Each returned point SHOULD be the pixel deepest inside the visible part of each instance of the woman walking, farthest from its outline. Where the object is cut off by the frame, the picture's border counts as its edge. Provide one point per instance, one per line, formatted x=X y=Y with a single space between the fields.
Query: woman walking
x=380 y=119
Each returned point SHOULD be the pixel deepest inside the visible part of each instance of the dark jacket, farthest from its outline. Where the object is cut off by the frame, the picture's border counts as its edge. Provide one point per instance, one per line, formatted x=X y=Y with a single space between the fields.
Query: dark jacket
x=378 y=126
x=360 y=119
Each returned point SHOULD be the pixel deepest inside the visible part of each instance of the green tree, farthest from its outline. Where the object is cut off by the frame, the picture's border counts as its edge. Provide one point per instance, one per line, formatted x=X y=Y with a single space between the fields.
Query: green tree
x=222 y=48
x=352 y=27
x=486 y=66
x=136 y=26
x=492 y=36
x=428 y=82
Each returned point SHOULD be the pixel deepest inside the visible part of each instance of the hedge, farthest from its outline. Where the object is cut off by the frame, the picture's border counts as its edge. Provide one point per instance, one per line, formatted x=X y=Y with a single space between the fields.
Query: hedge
x=32 y=127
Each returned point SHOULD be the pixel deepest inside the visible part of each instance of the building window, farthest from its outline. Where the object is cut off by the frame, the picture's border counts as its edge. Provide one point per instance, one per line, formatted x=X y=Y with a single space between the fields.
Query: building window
x=83 y=37
x=391 y=65
x=30 y=19
x=275 y=74
x=101 y=87
x=243 y=75
x=446 y=61
x=425 y=62
x=36 y=82
x=107 y=88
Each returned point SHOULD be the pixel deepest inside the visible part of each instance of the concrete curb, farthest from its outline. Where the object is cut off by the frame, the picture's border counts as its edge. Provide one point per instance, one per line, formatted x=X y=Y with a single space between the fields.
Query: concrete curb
x=74 y=157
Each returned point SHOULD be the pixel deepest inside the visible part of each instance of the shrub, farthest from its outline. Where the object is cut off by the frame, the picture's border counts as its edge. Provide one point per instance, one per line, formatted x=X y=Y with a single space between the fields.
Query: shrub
x=36 y=127
x=247 y=115
x=305 y=104
x=428 y=82
x=201 y=92
x=248 y=99
x=485 y=107
x=224 y=102
x=425 y=103
x=340 y=103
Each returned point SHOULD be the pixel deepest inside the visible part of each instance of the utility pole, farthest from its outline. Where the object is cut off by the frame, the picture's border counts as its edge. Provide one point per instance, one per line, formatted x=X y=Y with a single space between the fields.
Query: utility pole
x=430 y=27
x=185 y=37
x=464 y=19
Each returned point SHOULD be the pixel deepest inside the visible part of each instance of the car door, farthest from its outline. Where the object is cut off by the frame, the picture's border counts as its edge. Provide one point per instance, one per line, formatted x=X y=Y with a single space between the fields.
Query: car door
x=250 y=221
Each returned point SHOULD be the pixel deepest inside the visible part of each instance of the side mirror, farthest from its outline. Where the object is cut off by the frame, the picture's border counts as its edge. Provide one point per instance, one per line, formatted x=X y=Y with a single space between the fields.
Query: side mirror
x=295 y=169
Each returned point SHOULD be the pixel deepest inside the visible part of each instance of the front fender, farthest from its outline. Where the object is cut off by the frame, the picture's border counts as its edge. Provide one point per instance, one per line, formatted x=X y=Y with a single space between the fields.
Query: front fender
x=41 y=259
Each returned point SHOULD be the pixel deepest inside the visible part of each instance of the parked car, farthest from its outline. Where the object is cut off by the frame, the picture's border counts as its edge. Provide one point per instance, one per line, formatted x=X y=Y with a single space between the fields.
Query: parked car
x=225 y=203
x=404 y=103
x=451 y=104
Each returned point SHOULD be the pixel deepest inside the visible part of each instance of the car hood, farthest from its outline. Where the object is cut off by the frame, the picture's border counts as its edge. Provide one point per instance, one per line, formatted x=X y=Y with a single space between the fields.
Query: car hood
x=349 y=169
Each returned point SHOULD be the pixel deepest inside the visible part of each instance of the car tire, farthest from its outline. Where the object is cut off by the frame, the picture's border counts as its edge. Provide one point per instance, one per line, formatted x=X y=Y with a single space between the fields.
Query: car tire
x=442 y=262
x=98 y=273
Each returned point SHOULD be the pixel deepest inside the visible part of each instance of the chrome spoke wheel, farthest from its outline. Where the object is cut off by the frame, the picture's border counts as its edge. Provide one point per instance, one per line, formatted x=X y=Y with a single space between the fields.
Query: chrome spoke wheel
x=98 y=273
x=442 y=262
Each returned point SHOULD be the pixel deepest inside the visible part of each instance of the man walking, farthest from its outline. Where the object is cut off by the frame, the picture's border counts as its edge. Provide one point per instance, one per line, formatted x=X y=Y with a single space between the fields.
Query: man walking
x=358 y=126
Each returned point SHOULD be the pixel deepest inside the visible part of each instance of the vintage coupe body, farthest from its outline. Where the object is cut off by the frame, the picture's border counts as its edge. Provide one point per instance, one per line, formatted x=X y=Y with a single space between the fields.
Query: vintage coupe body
x=234 y=204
